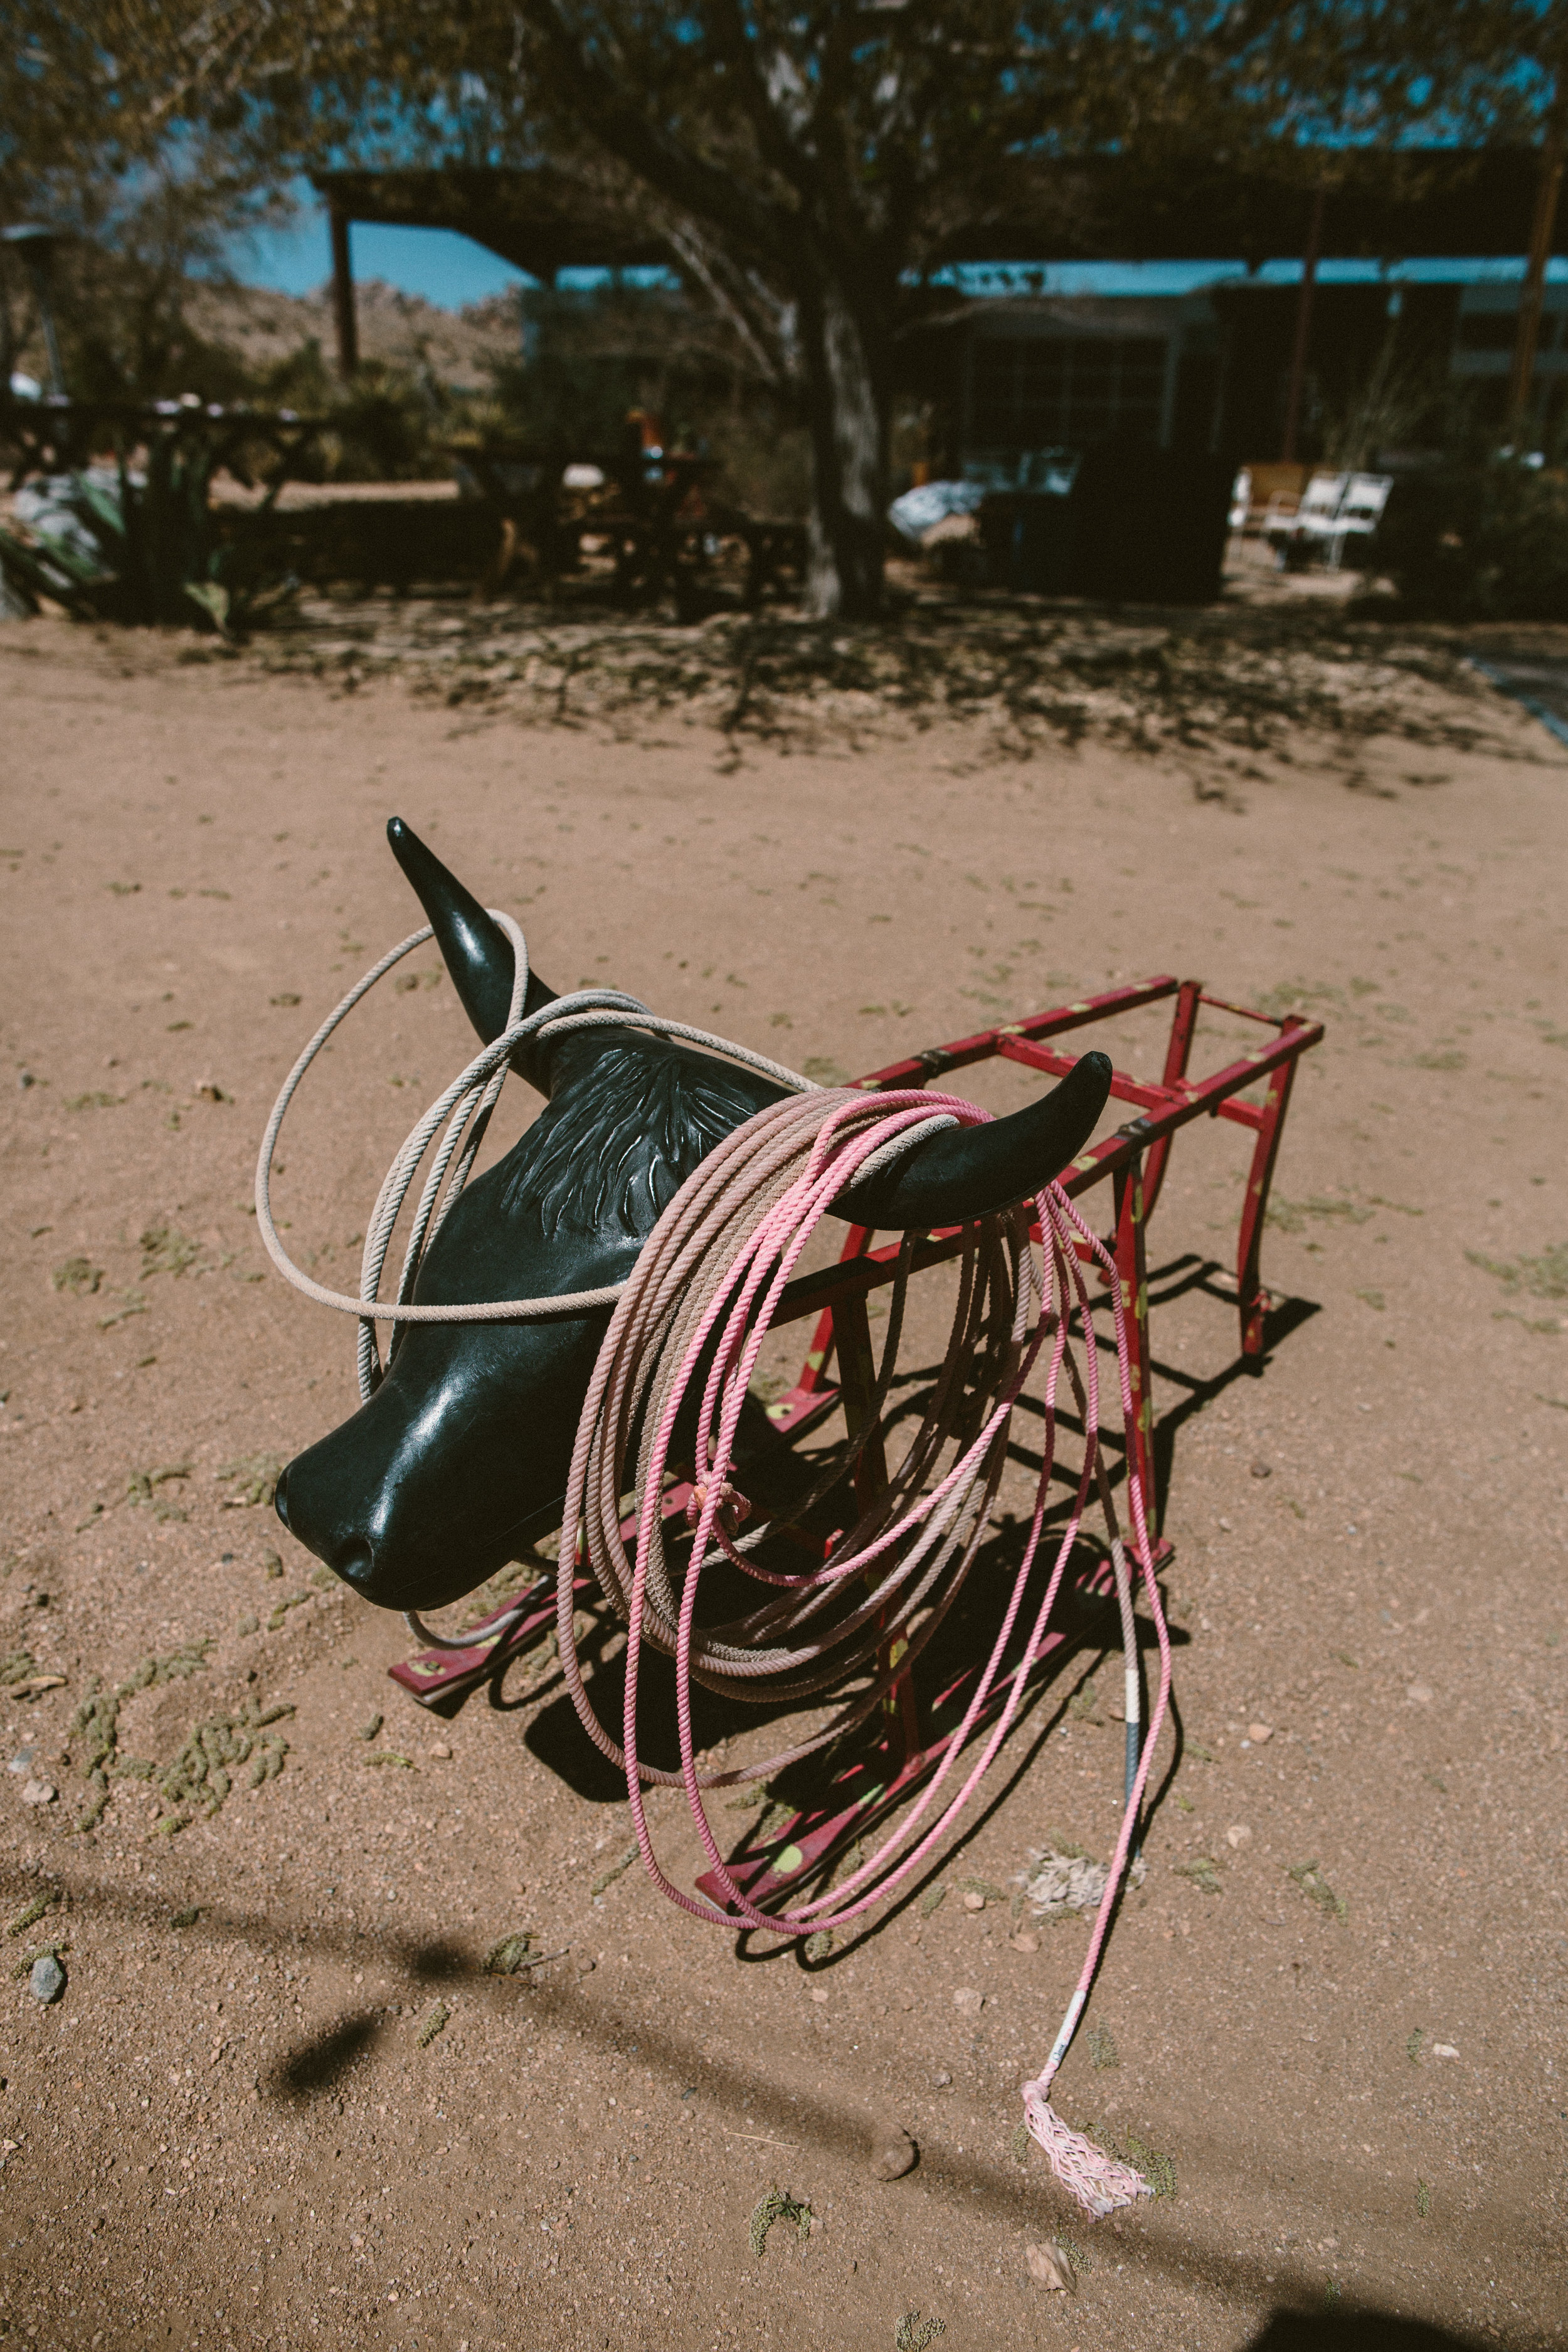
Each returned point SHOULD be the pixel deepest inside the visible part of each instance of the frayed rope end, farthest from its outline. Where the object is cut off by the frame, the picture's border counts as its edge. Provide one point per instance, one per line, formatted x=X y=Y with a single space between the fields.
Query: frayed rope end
x=1099 y=2182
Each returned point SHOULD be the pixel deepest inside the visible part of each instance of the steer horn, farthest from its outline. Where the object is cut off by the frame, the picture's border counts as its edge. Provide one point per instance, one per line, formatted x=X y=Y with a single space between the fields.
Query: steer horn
x=474 y=948
x=969 y=1171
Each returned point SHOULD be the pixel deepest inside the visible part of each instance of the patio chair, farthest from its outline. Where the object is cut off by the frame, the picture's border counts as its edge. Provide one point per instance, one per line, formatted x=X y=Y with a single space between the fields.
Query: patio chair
x=1360 y=512
x=1241 y=499
x=1294 y=538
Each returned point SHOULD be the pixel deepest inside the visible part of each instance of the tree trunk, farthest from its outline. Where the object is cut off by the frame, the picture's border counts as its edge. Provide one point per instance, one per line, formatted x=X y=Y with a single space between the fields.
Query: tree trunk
x=847 y=412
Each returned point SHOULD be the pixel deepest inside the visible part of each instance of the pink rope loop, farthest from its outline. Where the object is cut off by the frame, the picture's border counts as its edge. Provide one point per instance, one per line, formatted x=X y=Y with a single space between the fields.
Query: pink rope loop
x=704 y=1293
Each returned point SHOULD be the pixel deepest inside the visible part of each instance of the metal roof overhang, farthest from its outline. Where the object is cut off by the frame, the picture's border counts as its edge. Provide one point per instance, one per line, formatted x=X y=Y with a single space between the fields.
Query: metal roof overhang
x=538 y=218
x=1417 y=202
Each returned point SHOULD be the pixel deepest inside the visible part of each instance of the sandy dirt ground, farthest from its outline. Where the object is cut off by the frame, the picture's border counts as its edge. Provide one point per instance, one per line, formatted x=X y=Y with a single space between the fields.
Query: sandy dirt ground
x=236 y=2125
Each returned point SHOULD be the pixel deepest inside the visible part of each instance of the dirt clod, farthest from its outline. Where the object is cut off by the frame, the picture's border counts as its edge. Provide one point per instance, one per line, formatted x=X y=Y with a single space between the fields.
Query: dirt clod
x=893 y=2155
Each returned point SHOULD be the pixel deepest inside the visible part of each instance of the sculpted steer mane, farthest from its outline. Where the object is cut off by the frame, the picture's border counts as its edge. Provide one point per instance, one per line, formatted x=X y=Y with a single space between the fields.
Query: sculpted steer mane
x=615 y=1150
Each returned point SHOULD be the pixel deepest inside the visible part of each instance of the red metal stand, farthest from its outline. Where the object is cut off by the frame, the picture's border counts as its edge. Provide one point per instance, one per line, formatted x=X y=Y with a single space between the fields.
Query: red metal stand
x=1134 y=1159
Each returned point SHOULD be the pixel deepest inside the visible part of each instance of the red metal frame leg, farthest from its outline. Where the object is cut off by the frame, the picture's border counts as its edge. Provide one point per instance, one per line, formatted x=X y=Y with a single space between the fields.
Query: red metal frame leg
x=1252 y=1298
x=858 y=1376
x=1178 y=1052
x=1132 y=1266
x=814 y=1372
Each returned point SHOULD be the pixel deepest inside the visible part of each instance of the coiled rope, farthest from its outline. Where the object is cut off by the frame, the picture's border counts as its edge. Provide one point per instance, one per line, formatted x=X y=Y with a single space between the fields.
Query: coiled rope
x=696 y=1306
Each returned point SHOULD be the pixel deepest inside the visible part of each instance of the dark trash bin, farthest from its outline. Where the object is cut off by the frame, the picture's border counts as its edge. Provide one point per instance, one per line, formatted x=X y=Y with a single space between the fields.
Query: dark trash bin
x=1027 y=539
x=1137 y=526
x=1150 y=526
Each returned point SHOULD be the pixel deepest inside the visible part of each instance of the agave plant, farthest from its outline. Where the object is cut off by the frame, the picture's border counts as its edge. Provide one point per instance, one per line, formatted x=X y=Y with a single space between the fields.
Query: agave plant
x=133 y=543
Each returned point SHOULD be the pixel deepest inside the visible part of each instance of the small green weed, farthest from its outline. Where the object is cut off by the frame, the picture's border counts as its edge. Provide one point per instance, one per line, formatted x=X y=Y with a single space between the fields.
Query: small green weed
x=1312 y=1883
x=1290 y=1216
x=1102 y=2052
x=28 y=1961
x=1423 y=2197
x=258 y=1476
x=612 y=1871
x=96 y=1722
x=1159 y=2171
x=505 y=1958
x=1203 y=1871
x=27 y=1918
x=202 y=1774
x=142 y=1488
x=914 y=2333
x=1545 y=1276
x=77 y=1275
x=778 y=2205
x=166 y=1251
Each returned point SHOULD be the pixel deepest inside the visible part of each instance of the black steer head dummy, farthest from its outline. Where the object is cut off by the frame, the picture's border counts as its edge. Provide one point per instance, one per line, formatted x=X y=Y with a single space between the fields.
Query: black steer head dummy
x=459 y=1458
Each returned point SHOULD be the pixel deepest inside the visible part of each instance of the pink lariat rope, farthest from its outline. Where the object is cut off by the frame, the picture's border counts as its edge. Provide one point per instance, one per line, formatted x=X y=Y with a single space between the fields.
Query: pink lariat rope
x=706 y=1286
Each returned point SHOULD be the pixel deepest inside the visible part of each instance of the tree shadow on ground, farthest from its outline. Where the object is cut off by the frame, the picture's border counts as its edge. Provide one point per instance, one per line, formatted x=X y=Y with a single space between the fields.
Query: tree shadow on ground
x=1351 y=2330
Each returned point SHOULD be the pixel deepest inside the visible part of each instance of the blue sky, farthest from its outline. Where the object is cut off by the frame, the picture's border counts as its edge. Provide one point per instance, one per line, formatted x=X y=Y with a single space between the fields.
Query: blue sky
x=450 y=270
x=444 y=268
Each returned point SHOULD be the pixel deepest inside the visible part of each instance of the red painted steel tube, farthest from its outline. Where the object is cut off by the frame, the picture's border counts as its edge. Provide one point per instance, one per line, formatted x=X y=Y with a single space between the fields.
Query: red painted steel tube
x=1178 y=1052
x=920 y=1068
x=1252 y=1299
x=1132 y=1265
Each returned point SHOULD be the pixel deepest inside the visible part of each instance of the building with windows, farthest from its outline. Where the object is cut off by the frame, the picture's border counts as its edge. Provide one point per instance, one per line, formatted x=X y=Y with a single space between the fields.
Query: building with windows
x=1028 y=376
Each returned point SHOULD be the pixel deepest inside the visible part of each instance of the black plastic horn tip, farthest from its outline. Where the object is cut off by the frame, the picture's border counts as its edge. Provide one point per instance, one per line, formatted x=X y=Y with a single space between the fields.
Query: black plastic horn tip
x=974 y=1171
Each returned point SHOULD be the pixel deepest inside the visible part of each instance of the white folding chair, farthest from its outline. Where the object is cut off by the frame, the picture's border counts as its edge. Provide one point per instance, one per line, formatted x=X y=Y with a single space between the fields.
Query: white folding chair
x=1313 y=520
x=1241 y=499
x=1360 y=512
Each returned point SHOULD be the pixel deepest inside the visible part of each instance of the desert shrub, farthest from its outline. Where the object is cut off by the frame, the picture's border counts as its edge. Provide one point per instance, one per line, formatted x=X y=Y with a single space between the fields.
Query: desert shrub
x=386 y=425
x=1483 y=542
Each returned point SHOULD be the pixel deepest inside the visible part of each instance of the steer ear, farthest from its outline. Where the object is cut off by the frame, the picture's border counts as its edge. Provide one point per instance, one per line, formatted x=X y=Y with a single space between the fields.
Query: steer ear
x=969 y=1171
x=474 y=949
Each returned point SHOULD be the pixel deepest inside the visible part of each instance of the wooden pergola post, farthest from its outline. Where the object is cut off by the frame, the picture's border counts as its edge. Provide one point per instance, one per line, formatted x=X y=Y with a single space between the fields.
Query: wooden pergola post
x=344 y=295
x=1303 y=329
x=1531 y=294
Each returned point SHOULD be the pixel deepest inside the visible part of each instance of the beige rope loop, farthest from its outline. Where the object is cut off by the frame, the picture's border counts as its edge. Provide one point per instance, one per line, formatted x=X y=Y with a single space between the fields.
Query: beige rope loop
x=467 y=1104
